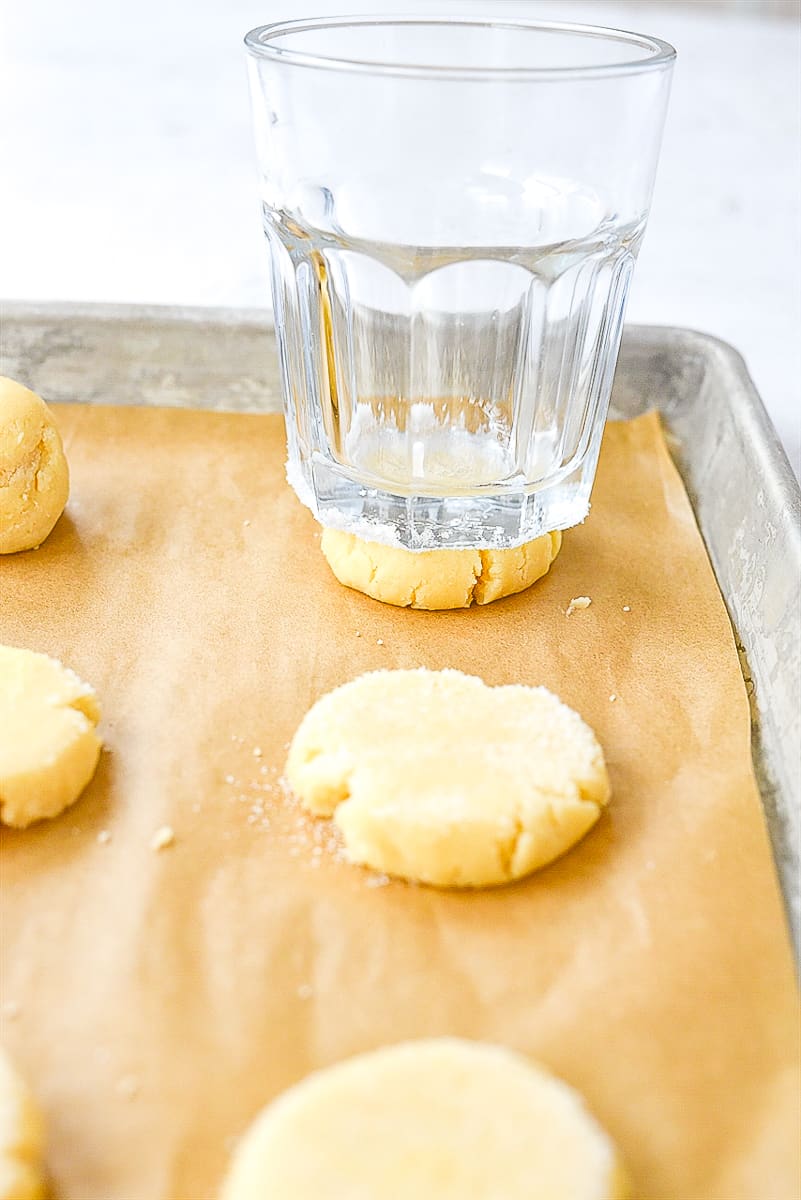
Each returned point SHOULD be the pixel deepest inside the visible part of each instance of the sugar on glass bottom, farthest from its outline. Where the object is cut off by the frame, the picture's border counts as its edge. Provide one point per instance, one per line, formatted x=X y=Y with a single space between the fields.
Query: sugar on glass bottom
x=435 y=474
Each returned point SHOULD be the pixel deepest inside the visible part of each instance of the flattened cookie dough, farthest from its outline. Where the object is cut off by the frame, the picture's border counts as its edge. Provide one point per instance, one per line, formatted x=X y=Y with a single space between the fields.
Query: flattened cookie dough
x=34 y=480
x=433 y=776
x=21 y=1138
x=442 y=1118
x=435 y=579
x=49 y=746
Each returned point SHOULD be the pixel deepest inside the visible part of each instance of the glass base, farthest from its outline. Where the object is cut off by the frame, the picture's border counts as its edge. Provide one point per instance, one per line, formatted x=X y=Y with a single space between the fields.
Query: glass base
x=499 y=520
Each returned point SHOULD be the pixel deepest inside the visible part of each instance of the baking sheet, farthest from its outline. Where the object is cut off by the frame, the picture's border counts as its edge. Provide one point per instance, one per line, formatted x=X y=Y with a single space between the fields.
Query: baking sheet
x=745 y=498
x=163 y=997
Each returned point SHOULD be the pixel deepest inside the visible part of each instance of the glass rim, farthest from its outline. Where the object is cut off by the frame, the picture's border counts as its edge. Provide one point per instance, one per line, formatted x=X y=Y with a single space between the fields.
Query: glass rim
x=259 y=42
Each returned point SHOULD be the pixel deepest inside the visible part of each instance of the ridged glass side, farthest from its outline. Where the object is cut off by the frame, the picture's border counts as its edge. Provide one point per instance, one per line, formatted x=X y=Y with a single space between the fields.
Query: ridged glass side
x=446 y=396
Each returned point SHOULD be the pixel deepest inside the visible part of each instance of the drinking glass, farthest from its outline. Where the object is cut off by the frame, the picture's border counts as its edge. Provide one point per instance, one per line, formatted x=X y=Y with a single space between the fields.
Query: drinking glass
x=453 y=205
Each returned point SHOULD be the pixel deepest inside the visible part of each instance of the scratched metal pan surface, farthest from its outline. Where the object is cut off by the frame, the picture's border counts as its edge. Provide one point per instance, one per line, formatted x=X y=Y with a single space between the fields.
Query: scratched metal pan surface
x=746 y=499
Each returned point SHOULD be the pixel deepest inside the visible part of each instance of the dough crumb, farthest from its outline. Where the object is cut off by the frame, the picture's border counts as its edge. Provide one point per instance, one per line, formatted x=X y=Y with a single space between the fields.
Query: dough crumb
x=379 y=641
x=613 y=697
x=257 y=751
x=163 y=838
x=246 y=523
x=626 y=608
x=104 y=837
x=577 y=603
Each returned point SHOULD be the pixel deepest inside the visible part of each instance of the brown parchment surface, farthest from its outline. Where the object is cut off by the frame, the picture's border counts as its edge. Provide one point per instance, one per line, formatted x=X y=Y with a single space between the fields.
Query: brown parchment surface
x=156 y=1000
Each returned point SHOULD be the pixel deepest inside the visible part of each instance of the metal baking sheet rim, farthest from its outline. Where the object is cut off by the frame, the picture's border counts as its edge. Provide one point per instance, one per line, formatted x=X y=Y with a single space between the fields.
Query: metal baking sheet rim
x=719 y=432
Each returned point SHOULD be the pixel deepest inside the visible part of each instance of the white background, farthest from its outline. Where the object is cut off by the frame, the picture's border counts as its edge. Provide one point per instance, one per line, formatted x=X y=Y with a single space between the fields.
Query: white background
x=129 y=175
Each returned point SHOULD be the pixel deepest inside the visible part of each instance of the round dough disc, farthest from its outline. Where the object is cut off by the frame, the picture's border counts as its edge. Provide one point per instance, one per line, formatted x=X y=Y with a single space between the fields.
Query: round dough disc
x=445 y=1119
x=34 y=480
x=433 y=776
x=435 y=579
x=21 y=1138
x=49 y=746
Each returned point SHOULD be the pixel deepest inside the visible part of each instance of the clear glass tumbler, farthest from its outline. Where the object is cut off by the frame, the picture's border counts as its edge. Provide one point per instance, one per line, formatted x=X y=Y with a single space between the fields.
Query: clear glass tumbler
x=454 y=206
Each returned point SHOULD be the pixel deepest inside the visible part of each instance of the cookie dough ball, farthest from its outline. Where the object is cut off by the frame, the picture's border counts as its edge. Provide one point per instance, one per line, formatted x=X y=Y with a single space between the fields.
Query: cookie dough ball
x=435 y=579
x=445 y=1119
x=433 y=776
x=34 y=480
x=21 y=1138
x=49 y=746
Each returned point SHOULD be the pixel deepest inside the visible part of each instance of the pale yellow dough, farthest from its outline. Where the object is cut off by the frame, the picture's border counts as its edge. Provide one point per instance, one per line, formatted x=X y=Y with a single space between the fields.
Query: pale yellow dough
x=21 y=1138
x=443 y=1119
x=49 y=746
x=34 y=480
x=433 y=776
x=435 y=579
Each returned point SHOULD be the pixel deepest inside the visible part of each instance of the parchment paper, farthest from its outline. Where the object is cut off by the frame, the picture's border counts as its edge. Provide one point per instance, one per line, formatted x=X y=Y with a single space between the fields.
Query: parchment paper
x=157 y=999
